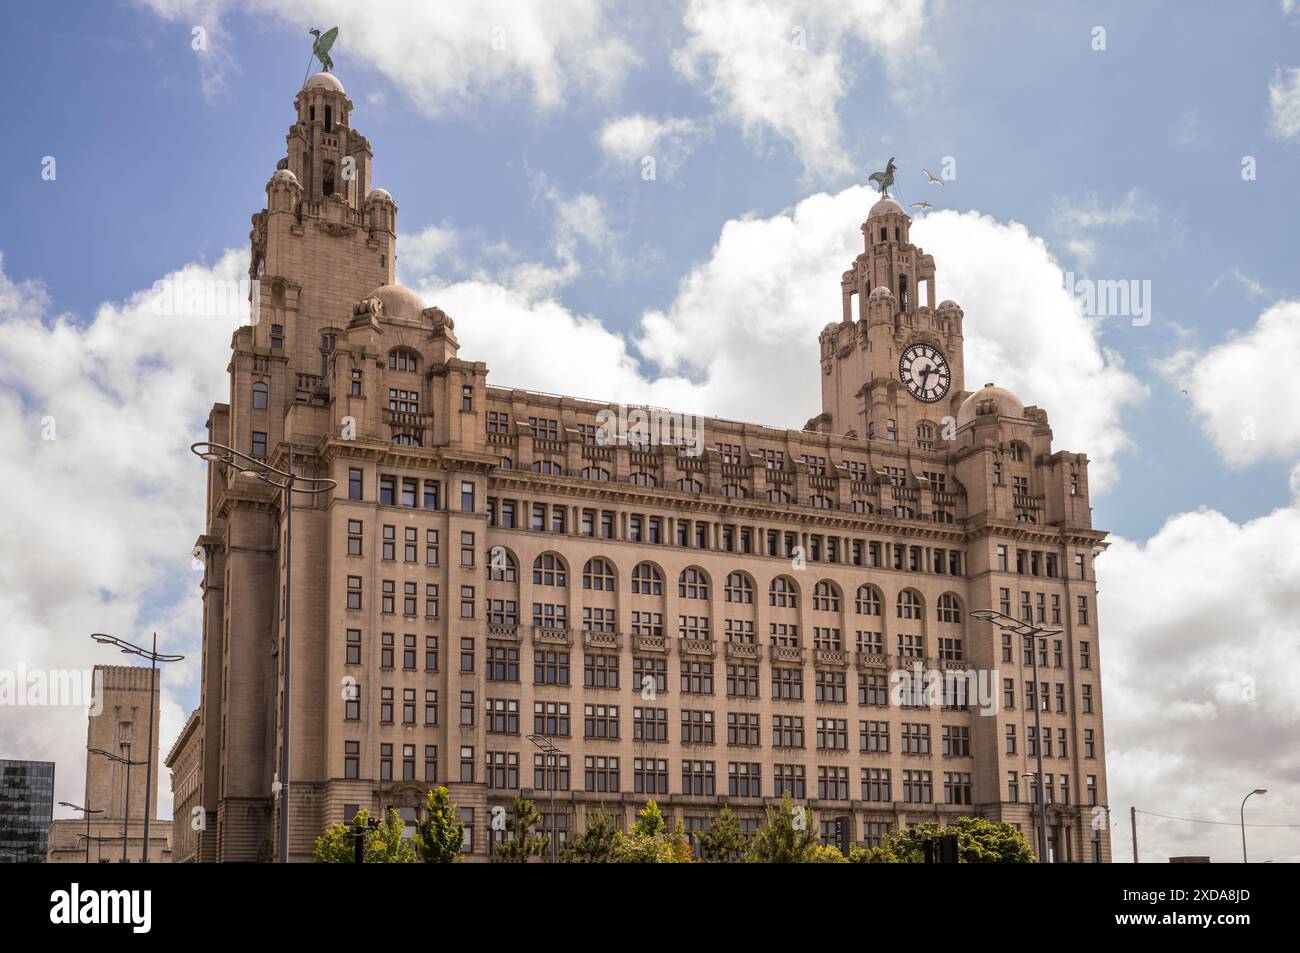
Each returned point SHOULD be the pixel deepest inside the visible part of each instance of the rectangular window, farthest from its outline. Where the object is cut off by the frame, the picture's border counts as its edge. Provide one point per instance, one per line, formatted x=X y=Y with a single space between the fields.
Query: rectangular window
x=354 y=483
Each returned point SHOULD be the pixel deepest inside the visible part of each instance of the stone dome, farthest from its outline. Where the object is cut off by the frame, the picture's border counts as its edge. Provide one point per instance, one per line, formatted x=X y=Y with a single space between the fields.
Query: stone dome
x=886 y=206
x=285 y=176
x=947 y=304
x=324 y=80
x=398 y=301
x=880 y=292
x=379 y=194
x=989 y=399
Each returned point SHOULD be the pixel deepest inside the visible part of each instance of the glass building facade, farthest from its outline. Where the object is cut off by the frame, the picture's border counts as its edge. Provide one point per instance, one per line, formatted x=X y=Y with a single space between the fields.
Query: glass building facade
x=26 y=809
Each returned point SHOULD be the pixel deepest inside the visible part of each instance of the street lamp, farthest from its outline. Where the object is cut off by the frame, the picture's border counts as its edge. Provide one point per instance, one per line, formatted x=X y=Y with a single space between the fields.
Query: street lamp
x=1243 y=820
x=286 y=481
x=551 y=750
x=126 y=811
x=154 y=657
x=87 y=811
x=1027 y=631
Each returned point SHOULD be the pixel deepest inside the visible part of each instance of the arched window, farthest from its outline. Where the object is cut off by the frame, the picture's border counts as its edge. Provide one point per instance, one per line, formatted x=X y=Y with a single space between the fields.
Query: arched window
x=260 y=392
x=548 y=467
x=693 y=584
x=1018 y=452
x=647 y=580
x=598 y=574
x=869 y=600
x=507 y=463
x=739 y=588
x=734 y=490
x=643 y=479
x=949 y=608
x=910 y=605
x=904 y=512
x=502 y=566
x=407 y=439
x=862 y=506
x=549 y=570
x=819 y=503
x=403 y=359
x=686 y=484
x=778 y=496
x=826 y=596
x=943 y=516
x=783 y=593
x=328 y=338
x=595 y=473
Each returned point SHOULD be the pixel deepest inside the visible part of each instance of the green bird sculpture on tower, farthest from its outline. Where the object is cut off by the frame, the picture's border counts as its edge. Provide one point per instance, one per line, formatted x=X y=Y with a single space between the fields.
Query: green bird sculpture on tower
x=884 y=179
x=321 y=48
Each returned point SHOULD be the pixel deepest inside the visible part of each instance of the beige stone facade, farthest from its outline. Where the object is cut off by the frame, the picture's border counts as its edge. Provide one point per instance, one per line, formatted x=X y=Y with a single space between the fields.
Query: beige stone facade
x=122 y=699
x=703 y=628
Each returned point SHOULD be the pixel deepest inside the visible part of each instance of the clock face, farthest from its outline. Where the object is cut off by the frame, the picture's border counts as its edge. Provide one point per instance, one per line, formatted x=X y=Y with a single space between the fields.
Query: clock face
x=925 y=372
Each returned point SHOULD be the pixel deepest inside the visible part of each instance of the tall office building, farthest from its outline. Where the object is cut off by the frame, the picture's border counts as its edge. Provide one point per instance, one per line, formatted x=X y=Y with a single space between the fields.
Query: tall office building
x=700 y=621
x=26 y=807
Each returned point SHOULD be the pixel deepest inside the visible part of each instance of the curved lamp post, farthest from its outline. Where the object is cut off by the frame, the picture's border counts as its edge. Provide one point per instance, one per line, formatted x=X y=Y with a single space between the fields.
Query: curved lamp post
x=154 y=657
x=286 y=481
x=126 y=810
x=87 y=811
x=1243 y=820
x=552 y=753
x=1027 y=631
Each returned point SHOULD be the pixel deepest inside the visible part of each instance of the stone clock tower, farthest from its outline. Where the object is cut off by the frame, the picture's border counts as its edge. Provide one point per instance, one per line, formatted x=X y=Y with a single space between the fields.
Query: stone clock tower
x=892 y=367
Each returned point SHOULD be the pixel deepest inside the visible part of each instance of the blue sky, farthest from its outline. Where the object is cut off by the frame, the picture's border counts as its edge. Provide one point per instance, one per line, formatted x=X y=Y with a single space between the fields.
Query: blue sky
x=1125 y=161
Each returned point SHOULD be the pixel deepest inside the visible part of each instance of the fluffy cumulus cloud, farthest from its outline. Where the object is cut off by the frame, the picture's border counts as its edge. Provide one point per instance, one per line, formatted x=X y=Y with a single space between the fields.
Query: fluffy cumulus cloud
x=1284 y=103
x=449 y=56
x=630 y=139
x=1200 y=659
x=1247 y=422
x=107 y=501
x=781 y=69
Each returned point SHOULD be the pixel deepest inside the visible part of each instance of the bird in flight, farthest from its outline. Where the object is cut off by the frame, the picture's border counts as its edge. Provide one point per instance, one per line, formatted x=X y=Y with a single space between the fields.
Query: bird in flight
x=931 y=178
x=922 y=205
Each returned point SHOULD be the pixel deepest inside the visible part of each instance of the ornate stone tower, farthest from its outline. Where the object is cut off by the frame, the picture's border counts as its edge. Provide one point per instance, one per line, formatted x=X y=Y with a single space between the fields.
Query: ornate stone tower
x=892 y=367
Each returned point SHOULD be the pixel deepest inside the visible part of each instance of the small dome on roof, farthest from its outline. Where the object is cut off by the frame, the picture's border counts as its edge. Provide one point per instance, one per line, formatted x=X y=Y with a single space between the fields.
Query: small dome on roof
x=284 y=175
x=881 y=292
x=989 y=399
x=379 y=194
x=398 y=301
x=947 y=304
x=885 y=206
x=324 y=80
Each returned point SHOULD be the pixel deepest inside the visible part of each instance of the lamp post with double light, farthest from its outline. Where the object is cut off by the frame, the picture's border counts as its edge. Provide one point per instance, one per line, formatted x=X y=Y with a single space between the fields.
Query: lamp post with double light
x=287 y=482
x=1029 y=631
x=126 y=810
x=154 y=657
x=86 y=811
x=551 y=767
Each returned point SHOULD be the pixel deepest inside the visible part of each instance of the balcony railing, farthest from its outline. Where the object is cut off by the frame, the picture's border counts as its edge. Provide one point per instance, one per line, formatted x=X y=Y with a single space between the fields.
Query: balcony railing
x=871 y=660
x=836 y=657
x=650 y=643
x=544 y=636
x=504 y=633
x=744 y=650
x=787 y=653
x=602 y=640
x=697 y=647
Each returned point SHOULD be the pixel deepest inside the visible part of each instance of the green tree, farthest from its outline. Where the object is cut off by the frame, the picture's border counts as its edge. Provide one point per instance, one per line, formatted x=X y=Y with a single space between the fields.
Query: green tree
x=650 y=841
x=784 y=836
x=596 y=844
x=440 y=834
x=680 y=846
x=522 y=842
x=724 y=842
x=979 y=841
x=384 y=843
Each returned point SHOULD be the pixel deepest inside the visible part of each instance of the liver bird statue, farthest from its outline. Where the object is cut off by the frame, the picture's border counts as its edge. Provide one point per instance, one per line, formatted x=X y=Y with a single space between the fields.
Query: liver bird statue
x=884 y=179
x=321 y=48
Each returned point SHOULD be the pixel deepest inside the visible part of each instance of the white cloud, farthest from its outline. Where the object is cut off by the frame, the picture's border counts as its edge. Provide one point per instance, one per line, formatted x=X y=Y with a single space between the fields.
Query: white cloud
x=780 y=69
x=628 y=139
x=429 y=249
x=1284 y=103
x=101 y=520
x=1201 y=658
x=448 y=57
x=1252 y=286
x=1091 y=212
x=1245 y=390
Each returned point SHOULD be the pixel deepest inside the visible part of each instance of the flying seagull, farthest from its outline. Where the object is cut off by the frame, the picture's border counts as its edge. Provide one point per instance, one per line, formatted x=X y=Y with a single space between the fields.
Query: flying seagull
x=931 y=179
x=321 y=48
x=922 y=205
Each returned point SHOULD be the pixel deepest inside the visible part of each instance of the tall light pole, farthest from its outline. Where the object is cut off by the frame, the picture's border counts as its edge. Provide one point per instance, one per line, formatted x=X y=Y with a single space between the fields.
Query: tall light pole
x=87 y=811
x=551 y=752
x=286 y=481
x=1028 y=631
x=154 y=657
x=1243 y=820
x=126 y=810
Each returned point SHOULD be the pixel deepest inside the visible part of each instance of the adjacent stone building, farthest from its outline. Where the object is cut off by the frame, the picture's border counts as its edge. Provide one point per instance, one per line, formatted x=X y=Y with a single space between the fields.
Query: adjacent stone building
x=118 y=724
x=699 y=611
